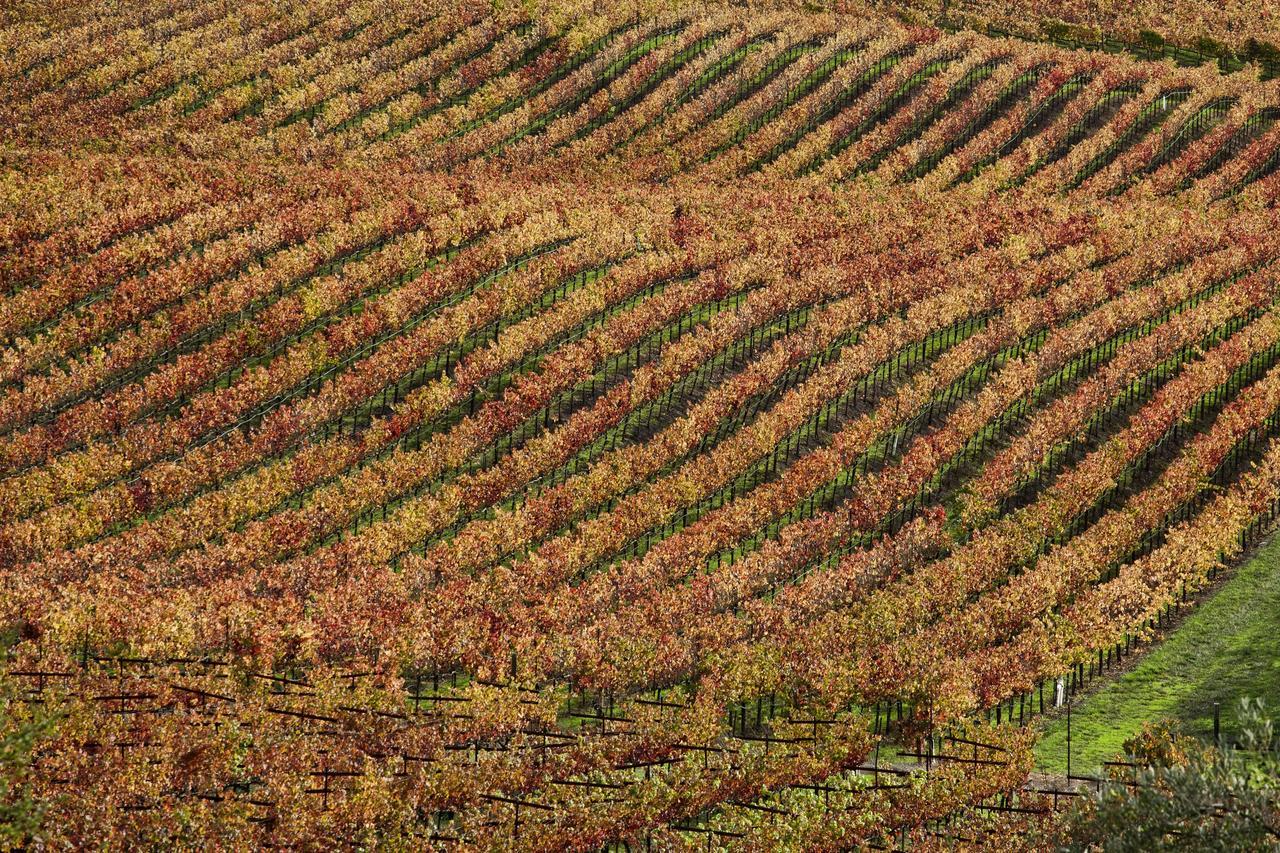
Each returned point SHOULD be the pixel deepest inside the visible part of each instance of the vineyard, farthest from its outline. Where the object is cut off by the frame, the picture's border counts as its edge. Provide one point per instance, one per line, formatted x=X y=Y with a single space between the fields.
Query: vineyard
x=559 y=427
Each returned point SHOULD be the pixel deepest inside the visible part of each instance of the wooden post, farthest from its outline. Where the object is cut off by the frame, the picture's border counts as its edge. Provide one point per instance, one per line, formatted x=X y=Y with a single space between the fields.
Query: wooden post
x=1068 y=740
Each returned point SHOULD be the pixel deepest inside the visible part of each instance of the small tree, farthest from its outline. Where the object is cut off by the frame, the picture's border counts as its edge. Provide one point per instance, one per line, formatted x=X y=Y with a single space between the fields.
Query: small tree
x=1189 y=796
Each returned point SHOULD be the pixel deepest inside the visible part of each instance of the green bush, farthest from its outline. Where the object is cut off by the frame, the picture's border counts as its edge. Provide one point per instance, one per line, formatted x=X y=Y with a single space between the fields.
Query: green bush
x=1189 y=796
x=1210 y=47
x=21 y=728
x=1151 y=40
x=1261 y=51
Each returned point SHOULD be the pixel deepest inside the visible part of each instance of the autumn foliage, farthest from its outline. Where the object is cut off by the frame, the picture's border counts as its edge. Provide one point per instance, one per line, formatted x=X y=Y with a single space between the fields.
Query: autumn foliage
x=556 y=426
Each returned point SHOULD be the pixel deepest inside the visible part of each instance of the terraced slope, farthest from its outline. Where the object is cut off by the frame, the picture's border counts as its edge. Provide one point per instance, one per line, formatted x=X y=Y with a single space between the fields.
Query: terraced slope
x=566 y=429
x=712 y=94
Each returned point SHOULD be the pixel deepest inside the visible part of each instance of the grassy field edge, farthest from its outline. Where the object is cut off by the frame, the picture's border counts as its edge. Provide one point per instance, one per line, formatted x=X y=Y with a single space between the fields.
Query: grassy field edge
x=1228 y=647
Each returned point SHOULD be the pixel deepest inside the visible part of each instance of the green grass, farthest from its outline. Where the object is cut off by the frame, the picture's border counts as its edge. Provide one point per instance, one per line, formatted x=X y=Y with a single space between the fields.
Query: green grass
x=1227 y=648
